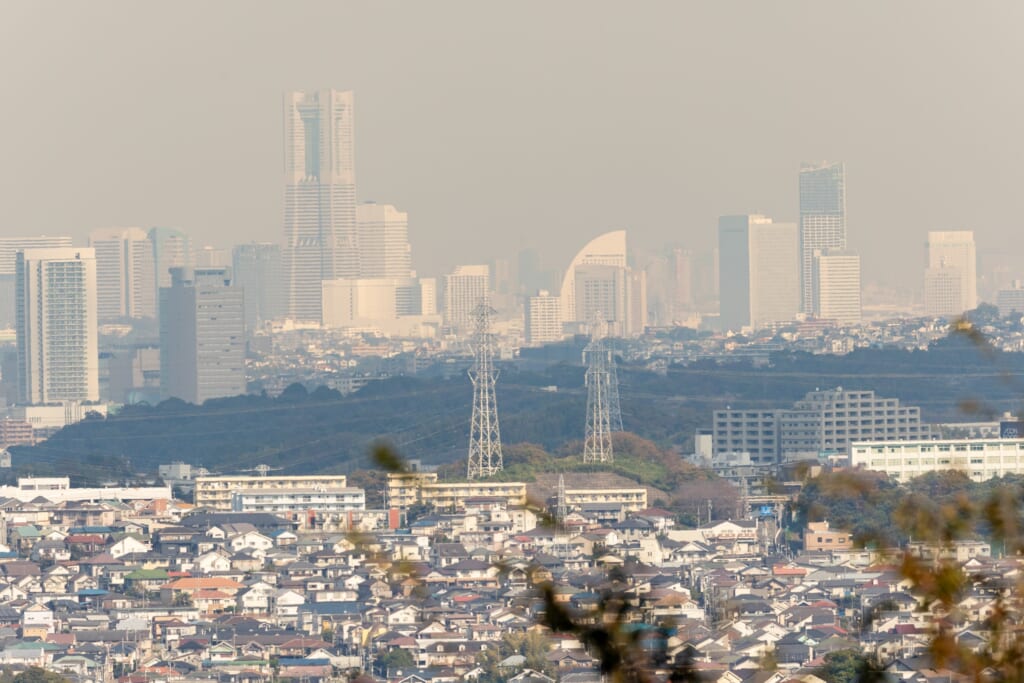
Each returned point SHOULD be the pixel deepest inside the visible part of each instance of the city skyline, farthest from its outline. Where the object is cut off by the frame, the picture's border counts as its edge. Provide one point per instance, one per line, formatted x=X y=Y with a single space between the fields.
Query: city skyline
x=460 y=157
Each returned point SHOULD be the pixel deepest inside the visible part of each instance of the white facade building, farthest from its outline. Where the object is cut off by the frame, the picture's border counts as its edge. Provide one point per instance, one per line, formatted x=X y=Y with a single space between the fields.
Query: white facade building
x=321 y=500
x=320 y=237
x=1011 y=300
x=9 y=248
x=59 y=490
x=955 y=249
x=543 y=319
x=822 y=219
x=979 y=459
x=384 y=250
x=837 y=286
x=943 y=292
x=608 y=249
x=465 y=288
x=202 y=336
x=215 y=491
x=390 y=305
x=759 y=271
x=56 y=324
x=49 y=419
x=125 y=273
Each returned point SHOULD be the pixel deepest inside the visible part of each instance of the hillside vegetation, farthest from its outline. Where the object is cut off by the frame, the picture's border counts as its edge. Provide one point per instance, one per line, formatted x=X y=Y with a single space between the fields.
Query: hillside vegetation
x=428 y=418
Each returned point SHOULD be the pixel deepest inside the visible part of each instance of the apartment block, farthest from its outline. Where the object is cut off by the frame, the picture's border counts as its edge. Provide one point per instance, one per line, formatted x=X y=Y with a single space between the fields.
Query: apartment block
x=979 y=459
x=215 y=492
x=823 y=421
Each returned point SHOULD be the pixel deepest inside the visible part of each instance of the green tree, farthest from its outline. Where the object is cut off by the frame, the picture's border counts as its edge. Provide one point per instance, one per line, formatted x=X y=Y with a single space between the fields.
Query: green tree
x=395 y=659
x=846 y=666
x=35 y=674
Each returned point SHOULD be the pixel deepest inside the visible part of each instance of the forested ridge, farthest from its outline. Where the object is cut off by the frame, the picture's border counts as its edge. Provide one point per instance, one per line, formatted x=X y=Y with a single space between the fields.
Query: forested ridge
x=304 y=431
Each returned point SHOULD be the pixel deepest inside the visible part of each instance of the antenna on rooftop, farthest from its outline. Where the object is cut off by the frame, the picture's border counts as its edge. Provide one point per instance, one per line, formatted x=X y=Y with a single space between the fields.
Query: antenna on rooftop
x=484 y=434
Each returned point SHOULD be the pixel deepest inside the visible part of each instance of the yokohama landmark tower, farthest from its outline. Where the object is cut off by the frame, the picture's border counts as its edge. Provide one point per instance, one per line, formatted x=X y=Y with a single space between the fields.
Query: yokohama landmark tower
x=320 y=239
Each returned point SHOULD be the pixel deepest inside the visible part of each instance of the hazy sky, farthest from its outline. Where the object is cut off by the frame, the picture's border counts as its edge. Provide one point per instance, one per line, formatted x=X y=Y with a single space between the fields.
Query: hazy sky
x=523 y=123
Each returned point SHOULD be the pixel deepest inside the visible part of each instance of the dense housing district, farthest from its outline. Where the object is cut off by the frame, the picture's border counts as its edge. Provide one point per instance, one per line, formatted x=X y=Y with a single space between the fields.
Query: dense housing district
x=293 y=577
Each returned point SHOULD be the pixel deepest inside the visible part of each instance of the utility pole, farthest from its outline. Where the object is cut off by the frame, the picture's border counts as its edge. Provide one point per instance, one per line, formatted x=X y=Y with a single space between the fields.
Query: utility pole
x=484 y=434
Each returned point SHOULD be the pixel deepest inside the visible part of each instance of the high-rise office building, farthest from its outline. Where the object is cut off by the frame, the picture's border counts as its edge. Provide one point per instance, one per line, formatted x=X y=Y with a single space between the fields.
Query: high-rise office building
x=368 y=302
x=1010 y=301
x=320 y=236
x=822 y=220
x=202 y=335
x=171 y=249
x=543 y=319
x=56 y=324
x=9 y=248
x=428 y=296
x=465 y=288
x=954 y=249
x=601 y=292
x=608 y=249
x=599 y=281
x=759 y=271
x=943 y=292
x=383 y=241
x=837 y=286
x=669 y=283
x=257 y=270
x=125 y=273
x=209 y=256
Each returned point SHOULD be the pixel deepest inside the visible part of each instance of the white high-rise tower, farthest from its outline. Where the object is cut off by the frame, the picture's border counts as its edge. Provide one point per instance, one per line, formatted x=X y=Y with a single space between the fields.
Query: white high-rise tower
x=125 y=273
x=464 y=289
x=759 y=271
x=948 y=251
x=320 y=238
x=56 y=324
x=822 y=220
x=383 y=241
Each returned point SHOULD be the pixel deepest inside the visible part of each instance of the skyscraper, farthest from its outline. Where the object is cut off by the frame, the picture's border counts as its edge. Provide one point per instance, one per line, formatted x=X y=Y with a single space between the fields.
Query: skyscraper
x=257 y=270
x=124 y=273
x=943 y=292
x=202 y=335
x=822 y=220
x=608 y=249
x=465 y=288
x=383 y=241
x=56 y=324
x=837 y=286
x=759 y=271
x=320 y=236
x=9 y=248
x=954 y=249
x=171 y=249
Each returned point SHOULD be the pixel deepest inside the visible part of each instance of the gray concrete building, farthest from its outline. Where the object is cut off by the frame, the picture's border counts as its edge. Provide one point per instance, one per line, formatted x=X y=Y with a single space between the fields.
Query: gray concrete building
x=822 y=422
x=202 y=335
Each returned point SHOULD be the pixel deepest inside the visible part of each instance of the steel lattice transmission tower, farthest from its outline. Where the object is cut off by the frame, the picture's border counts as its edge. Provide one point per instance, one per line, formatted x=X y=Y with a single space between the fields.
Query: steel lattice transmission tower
x=597 y=445
x=484 y=434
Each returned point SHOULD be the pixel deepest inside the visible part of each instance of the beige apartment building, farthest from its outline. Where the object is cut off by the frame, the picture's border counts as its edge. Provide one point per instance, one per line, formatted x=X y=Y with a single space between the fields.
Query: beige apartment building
x=215 y=492
x=406 y=489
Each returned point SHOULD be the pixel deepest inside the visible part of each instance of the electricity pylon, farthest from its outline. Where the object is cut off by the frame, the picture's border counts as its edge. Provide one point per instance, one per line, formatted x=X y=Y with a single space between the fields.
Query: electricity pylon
x=484 y=435
x=597 y=444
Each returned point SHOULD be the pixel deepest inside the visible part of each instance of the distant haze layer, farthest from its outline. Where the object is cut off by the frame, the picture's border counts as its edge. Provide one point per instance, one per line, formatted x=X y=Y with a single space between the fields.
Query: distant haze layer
x=528 y=123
